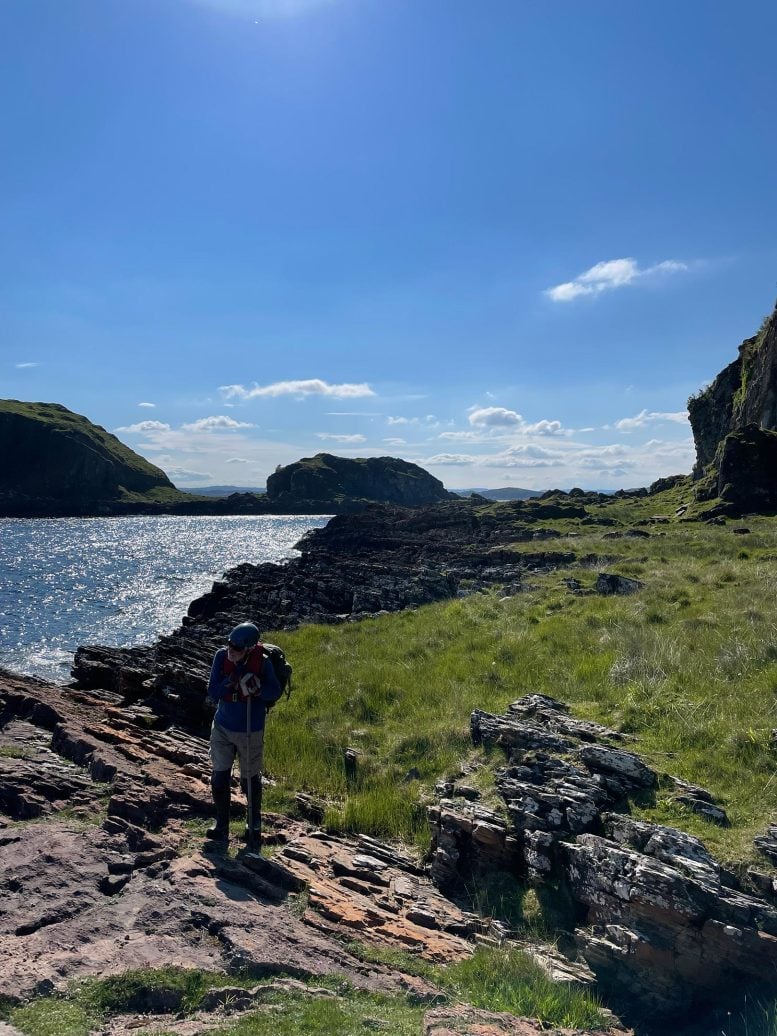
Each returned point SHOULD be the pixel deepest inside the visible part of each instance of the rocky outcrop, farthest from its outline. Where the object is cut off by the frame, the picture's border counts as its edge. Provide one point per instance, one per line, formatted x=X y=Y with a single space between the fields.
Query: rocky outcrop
x=736 y=458
x=324 y=483
x=112 y=876
x=88 y=888
x=747 y=470
x=664 y=927
x=57 y=462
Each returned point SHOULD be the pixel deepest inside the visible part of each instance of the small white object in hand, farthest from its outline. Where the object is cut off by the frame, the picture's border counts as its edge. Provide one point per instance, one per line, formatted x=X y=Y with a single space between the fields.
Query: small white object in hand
x=249 y=684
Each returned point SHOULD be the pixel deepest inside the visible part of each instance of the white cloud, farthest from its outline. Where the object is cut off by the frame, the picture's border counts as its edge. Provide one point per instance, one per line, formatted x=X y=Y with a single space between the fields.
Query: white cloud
x=544 y=428
x=451 y=458
x=236 y=460
x=610 y=466
x=144 y=427
x=463 y=436
x=354 y=439
x=25 y=366
x=402 y=420
x=396 y=442
x=613 y=273
x=506 y=461
x=644 y=417
x=495 y=416
x=309 y=387
x=148 y=406
x=529 y=450
x=185 y=475
x=215 y=424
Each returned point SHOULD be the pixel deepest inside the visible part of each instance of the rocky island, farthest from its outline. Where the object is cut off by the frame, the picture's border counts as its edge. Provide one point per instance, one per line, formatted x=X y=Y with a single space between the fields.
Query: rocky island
x=59 y=464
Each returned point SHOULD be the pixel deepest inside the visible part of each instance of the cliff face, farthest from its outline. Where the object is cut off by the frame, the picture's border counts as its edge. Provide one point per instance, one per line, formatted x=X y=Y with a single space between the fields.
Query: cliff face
x=326 y=480
x=57 y=462
x=736 y=457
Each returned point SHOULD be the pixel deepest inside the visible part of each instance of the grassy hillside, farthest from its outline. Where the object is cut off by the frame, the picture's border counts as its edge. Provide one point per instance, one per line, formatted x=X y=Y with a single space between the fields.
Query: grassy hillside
x=59 y=462
x=688 y=664
x=65 y=422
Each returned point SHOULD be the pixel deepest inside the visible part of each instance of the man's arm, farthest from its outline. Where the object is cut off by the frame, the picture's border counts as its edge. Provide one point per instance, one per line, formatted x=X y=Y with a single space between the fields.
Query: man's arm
x=219 y=685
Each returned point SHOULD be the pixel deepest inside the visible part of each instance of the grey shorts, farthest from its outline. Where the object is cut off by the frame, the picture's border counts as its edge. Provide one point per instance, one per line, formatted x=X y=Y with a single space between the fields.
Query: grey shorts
x=226 y=744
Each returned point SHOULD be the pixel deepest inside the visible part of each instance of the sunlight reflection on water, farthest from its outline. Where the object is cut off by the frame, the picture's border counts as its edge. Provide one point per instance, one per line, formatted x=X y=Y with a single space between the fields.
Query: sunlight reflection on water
x=117 y=581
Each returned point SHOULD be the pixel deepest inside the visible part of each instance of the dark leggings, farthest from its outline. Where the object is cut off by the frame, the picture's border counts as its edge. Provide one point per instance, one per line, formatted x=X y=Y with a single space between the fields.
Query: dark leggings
x=220 y=780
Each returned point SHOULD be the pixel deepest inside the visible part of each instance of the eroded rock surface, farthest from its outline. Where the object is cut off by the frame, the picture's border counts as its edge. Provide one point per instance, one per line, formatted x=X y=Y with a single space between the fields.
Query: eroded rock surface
x=99 y=872
x=664 y=927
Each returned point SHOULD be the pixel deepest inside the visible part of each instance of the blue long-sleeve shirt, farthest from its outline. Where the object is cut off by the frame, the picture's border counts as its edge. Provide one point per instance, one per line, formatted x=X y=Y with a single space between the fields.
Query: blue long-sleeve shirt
x=224 y=686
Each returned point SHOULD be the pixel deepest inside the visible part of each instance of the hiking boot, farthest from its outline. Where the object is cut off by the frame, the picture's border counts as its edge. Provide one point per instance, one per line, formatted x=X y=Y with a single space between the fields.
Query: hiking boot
x=220 y=830
x=253 y=828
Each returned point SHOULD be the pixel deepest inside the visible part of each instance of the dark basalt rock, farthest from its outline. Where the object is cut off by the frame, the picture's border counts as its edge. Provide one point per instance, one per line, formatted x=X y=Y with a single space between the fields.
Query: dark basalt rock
x=732 y=421
x=747 y=470
x=384 y=559
x=607 y=583
x=664 y=927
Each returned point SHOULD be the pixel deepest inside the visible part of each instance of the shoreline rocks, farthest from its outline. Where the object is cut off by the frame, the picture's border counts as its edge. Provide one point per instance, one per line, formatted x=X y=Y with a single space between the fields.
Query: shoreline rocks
x=384 y=559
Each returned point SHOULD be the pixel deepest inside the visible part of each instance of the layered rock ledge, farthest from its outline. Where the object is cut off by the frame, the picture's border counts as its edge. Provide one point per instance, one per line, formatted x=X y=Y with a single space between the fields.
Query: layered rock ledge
x=666 y=930
x=102 y=870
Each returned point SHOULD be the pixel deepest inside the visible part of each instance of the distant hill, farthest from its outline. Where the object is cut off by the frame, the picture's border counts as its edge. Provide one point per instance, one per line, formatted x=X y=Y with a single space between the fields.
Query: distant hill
x=508 y=493
x=56 y=462
x=328 y=483
x=222 y=490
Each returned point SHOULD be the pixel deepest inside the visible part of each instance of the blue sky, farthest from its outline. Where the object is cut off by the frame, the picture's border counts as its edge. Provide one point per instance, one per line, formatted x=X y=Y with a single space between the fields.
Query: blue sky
x=505 y=240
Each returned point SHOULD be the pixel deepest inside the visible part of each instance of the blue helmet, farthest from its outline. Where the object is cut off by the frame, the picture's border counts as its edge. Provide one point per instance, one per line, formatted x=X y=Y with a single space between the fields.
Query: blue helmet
x=246 y=635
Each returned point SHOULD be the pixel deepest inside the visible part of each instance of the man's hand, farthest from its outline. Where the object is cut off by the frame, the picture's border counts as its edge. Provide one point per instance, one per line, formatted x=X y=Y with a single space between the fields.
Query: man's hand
x=249 y=684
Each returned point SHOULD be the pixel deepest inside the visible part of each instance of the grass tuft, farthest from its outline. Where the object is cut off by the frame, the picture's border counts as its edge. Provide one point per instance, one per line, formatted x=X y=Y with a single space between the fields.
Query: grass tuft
x=508 y=980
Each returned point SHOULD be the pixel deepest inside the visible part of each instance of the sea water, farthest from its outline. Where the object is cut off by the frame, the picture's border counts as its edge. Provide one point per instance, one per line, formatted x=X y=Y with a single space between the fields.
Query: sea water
x=117 y=581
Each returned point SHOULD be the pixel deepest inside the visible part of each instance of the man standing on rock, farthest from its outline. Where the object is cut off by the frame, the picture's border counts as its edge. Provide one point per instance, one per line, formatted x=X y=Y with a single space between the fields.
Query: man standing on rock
x=243 y=684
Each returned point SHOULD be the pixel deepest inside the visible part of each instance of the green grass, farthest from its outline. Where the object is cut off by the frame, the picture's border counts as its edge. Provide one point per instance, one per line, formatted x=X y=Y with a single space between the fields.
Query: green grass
x=492 y=979
x=688 y=665
x=354 y=1016
x=53 y=1017
x=88 y=1005
x=508 y=980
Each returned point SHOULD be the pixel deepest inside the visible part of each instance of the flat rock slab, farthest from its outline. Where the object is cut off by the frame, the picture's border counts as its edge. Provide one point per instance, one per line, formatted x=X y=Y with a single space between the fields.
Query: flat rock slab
x=79 y=897
x=360 y=887
x=61 y=919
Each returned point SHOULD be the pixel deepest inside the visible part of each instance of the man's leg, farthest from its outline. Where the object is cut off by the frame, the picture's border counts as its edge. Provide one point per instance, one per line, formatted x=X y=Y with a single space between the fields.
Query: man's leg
x=251 y=758
x=222 y=754
x=220 y=786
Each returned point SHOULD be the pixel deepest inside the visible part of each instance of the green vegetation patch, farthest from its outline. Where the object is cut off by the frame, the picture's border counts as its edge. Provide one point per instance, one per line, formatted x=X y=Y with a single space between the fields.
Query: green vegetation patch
x=508 y=980
x=89 y=1004
x=688 y=665
x=352 y=1016
x=493 y=979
